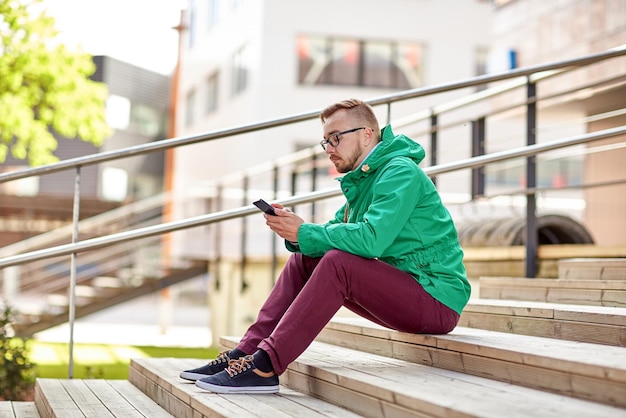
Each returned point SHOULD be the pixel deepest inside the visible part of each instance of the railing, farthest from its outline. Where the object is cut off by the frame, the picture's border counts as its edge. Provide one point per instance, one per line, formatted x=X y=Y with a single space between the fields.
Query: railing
x=525 y=77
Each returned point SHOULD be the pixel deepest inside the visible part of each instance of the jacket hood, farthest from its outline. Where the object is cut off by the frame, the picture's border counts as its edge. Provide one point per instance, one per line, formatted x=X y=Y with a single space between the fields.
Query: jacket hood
x=392 y=146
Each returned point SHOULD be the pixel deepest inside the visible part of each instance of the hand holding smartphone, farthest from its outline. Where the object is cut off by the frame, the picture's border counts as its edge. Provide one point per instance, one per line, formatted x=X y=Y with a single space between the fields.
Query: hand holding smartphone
x=265 y=207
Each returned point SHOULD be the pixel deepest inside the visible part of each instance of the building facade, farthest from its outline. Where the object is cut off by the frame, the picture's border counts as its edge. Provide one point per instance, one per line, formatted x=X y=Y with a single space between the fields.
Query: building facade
x=249 y=61
x=137 y=109
x=545 y=31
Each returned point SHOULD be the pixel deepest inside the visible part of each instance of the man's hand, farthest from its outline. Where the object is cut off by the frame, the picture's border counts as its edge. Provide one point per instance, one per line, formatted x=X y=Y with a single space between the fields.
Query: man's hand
x=286 y=223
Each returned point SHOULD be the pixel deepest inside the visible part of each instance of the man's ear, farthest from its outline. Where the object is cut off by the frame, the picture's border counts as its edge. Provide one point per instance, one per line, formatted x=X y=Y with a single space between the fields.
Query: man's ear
x=369 y=136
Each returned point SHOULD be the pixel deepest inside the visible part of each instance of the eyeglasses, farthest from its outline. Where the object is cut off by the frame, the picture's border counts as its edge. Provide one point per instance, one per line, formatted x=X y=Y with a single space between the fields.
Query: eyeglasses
x=333 y=139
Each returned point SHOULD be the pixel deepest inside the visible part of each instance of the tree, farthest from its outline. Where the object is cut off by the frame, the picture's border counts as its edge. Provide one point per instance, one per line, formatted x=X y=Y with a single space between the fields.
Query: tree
x=44 y=87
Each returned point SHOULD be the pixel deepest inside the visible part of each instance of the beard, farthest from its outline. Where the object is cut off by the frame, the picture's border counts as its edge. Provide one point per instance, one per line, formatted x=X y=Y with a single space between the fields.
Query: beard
x=349 y=163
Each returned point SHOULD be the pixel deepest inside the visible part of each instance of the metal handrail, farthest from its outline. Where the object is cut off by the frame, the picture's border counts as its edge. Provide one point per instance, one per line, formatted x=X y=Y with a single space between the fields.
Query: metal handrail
x=474 y=162
x=530 y=71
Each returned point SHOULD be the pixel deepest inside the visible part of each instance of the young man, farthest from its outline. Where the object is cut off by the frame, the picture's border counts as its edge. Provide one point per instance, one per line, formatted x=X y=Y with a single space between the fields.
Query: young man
x=391 y=255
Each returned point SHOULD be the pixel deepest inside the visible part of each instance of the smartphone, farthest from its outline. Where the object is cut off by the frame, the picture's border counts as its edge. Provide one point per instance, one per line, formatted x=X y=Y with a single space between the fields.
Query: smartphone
x=264 y=206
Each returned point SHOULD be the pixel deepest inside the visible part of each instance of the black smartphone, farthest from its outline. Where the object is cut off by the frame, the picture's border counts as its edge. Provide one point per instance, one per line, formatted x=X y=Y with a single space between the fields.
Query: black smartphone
x=264 y=206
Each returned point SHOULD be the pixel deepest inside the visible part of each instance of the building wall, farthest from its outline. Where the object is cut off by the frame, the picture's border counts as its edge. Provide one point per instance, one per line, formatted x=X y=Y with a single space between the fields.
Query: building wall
x=147 y=95
x=606 y=205
x=542 y=31
x=269 y=29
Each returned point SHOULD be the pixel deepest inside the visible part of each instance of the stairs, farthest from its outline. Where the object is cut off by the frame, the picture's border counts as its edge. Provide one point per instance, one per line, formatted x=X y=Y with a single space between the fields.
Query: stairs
x=111 y=275
x=513 y=358
x=101 y=292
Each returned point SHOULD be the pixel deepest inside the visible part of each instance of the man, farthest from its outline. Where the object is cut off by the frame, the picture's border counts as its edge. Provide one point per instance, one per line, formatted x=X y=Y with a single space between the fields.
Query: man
x=391 y=255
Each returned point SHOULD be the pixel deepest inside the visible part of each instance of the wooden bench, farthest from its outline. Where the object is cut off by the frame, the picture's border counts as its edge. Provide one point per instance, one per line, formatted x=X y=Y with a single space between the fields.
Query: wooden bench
x=58 y=398
x=592 y=324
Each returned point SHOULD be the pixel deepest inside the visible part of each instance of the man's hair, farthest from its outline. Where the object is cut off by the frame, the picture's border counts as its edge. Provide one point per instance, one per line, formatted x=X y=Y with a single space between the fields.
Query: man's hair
x=358 y=110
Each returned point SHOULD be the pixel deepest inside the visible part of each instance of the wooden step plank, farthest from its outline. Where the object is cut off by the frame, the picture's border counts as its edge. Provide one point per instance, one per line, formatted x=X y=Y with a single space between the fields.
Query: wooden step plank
x=158 y=378
x=93 y=398
x=581 y=292
x=569 y=284
x=53 y=401
x=374 y=386
x=589 y=371
x=592 y=324
x=124 y=399
x=18 y=409
x=592 y=269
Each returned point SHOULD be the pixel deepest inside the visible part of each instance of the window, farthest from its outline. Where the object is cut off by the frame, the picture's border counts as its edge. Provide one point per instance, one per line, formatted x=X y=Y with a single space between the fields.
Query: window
x=192 y=25
x=145 y=120
x=214 y=13
x=354 y=62
x=28 y=186
x=190 y=108
x=481 y=56
x=118 y=112
x=212 y=85
x=240 y=69
x=114 y=184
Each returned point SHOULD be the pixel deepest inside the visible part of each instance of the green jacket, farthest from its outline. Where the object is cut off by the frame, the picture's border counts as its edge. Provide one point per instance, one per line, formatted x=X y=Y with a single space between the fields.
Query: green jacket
x=395 y=214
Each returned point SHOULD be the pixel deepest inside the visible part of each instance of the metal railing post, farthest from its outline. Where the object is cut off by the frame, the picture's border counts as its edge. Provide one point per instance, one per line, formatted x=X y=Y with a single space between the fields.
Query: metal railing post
x=73 y=259
x=274 y=270
x=531 y=181
x=478 y=148
x=244 y=235
x=433 y=143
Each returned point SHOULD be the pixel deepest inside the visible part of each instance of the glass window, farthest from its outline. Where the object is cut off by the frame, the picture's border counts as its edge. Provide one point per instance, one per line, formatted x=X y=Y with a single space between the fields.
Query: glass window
x=118 y=112
x=239 y=73
x=409 y=62
x=378 y=65
x=214 y=13
x=146 y=120
x=114 y=184
x=343 y=66
x=192 y=25
x=385 y=64
x=190 y=102
x=212 y=93
x=28 y=186
x=312 y=58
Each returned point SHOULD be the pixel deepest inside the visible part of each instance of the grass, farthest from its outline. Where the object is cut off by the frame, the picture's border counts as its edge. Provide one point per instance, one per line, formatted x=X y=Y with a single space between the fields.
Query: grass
x=100 y=360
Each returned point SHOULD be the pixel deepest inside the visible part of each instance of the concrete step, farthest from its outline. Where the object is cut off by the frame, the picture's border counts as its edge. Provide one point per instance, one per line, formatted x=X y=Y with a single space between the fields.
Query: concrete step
x=581 y=370
x=592 y=324
x=58 y=398
x=158 y=378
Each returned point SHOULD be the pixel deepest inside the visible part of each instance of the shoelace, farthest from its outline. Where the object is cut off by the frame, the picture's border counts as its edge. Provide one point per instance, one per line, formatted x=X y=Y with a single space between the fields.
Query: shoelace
x=221 y=358
x=239 y=365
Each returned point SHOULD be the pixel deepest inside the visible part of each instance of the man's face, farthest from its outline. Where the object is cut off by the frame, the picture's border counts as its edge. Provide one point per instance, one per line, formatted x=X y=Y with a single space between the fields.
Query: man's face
x=350 y=151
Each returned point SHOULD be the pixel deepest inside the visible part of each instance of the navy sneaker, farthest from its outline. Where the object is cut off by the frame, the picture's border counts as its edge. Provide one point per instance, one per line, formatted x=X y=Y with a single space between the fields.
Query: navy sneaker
x=241 y=376
x=214 y=366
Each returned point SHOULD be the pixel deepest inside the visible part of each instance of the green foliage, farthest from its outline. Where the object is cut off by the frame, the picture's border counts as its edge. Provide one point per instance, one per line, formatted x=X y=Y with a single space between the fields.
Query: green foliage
x=44 y=87
x=16 y=373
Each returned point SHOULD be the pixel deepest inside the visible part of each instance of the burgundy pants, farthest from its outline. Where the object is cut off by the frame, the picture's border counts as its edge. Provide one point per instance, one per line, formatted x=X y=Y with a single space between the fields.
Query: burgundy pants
x=309 y=291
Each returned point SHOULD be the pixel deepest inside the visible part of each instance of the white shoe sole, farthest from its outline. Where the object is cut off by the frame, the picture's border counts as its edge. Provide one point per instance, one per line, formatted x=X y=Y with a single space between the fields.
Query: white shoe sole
x=236 y=389
x=192 y=376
